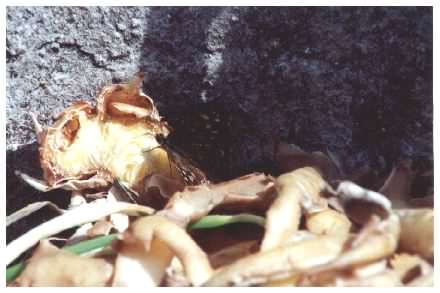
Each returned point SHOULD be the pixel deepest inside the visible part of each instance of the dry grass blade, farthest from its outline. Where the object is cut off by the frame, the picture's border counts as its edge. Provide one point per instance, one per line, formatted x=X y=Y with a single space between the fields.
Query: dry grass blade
x=83 y=214
x=29 y=209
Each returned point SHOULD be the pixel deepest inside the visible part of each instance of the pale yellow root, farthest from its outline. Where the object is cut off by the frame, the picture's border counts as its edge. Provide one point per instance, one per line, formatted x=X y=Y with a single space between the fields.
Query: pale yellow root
x=296 y=190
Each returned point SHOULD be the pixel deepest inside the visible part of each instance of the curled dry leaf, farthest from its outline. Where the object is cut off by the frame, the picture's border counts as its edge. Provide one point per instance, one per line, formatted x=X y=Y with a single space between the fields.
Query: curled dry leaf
x=417 y=232
x=145 y=231
x=50 y=266
x=89 y=147
x=194 y=202
x=297 y=190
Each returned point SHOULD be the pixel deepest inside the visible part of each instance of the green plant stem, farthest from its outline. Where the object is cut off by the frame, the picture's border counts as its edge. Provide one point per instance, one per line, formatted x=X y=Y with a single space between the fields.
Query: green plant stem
x=214 y=221
x=207 y=222
x=80 y=248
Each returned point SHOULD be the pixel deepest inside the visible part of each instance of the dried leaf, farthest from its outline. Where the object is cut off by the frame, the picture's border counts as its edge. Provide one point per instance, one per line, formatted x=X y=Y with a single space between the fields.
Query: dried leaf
x=89 y=147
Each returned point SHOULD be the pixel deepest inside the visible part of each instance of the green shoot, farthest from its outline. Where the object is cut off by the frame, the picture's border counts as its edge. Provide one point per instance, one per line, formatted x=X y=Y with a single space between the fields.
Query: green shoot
x=79 y=248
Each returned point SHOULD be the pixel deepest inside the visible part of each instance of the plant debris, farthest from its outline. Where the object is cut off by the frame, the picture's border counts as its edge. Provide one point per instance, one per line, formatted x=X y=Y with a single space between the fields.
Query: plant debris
x=313 y=225
x=50 y=266
x=91 y=147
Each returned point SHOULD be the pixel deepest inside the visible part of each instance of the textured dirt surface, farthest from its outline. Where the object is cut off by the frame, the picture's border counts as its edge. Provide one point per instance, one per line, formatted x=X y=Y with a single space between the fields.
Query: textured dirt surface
x=233 y=81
